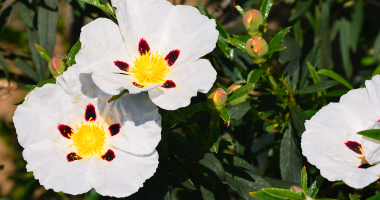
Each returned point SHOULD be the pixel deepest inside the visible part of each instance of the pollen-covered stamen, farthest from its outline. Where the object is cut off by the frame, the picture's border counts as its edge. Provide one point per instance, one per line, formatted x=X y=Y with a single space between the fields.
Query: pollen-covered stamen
x=109 y=155
x=89 y=139
x=137 y=85
x=65 y=130
x=73 y=156
x=114 y=129
x=149 y=69
x=143 y=47
x=169 y=84
x=123 y=66
x=365 y=166
x=90 y=114
x=354 y=146
x=172 y=57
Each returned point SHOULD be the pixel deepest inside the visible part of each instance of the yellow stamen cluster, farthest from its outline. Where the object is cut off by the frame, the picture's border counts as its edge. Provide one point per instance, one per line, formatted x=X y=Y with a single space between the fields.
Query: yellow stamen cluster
x=89 y=139
x=150 y=69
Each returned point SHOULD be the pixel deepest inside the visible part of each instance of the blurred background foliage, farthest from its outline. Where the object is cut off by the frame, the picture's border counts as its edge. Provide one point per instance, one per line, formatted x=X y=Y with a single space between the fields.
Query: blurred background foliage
x=260 y=146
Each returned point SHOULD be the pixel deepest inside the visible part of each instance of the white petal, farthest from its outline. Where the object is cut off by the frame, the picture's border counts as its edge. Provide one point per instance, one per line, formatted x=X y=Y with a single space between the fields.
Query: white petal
x=371 y=150
x=101 y=42
x=141 y=124
x=124 y=175
x=189 y=78
x=50 y=167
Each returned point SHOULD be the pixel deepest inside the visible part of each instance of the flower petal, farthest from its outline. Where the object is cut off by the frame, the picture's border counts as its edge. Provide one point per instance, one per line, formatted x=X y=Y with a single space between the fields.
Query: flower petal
x=189 y=78
x=124 y=175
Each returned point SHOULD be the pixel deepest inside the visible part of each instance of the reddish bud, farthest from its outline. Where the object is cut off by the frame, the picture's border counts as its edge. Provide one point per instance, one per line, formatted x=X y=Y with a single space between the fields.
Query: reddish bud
x=57 y=65
x=232 y=88
x=256 y=47
x=217 y=99
x=252 y=20
x=297 y=189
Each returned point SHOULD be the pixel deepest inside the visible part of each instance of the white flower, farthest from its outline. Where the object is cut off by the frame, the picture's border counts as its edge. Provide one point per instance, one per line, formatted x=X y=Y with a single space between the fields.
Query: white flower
x=74 y=140
x=155 y=48
x=332 y=144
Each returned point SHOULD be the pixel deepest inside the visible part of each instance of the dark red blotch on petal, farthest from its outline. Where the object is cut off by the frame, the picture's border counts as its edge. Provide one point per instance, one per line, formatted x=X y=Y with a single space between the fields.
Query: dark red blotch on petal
x=137 y=85
x=354 y=146
x=65 y=130
x=123 y=66
x=114 y=129
x=143 y=46
x=109 y=155
x=90 y=113
x=169 y=84
x=172 y=57
x=365 y=166
x=73 y=156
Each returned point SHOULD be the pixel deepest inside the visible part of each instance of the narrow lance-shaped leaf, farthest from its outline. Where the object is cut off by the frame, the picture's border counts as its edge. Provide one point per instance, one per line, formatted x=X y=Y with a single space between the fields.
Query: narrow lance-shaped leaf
x=273 y=49
x=240 y=10
x=238 y=111
x=42 y=52
x=265 y=9
x=371 y=133
x=27 y=69
x=264 y=196
x=311 y=57
x=304 y=179
x=254 y=75
x=102 y=5
x=344 y=39
x=225 y=115
x=376 y=72
x=4 y=17
x=241 y=92
x=284 y=193
x=336 y=77
x=317 y=87
x=73 y=52
x=277 y=39
x=237 y=43
x=352 y=197
x=116 y=97
x=314 y=188
x=315 y=76
x=300 y=9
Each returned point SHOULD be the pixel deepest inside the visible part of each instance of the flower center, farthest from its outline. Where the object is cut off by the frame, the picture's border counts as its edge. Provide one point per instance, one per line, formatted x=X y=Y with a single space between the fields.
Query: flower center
x=150 y=69
x=89 y=139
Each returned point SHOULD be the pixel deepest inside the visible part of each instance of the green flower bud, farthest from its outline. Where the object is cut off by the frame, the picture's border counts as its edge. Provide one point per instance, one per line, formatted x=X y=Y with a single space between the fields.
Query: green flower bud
x=57 y=66
x=256 y=47
x=217 y=99
x=252 y=20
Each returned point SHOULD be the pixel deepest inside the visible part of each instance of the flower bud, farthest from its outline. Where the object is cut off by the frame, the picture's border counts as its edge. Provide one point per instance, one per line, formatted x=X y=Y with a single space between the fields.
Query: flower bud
x=57 y=66
x=217 y=99
x=232 y=88
x=297 y=189
x=256 y=47
x=252 y=20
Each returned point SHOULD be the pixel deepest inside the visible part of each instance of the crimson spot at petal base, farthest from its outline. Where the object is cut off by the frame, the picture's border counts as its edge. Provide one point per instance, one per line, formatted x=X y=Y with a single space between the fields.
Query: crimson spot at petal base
x=365 y=166
x=90 y=113
x=172 y=57
x=73 y=156
x=123 y=66
x=109 y=155
x=354 y=146
x=114 y=129
x=65 y=130
x=143 y=46
x=169 y=84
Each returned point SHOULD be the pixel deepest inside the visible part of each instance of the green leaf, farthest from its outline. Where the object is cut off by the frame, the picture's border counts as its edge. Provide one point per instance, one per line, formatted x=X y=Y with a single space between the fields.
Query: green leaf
x=178 y=115
x=278 y=38
x=376 y=52
x=4 y=67
x=195 y=151
x=180 y=176
x=304 y=179
x=27 y=69
x=298 y=118
x=377 y=71
x=207 y=194
x=28 y=87
x=241 y=92
x=317 y=87
x=336 y=77
x=357 y=24
x=311 y=57
x=196 y=133
x=243 y=182
x=281 y=183
x=284 y=193
x=292 y=51
x=102 y=5
x=264 y=196
x=47 y=23
x=300 y=9
x=352 y=197
x=234 y=160
x=344 y=39
x=240 y=10
x=336 y=93
x=42 y=52
x=215 y=136
x=73 y=52
x=323 y=32
x=290 y=157
x=254 y=75
x=237 y=43
x=92 y=195
x=238 y=111
x=29 y=189
x=371 y=133
x=314 y=188
x=116 y=97
x=313 y=73
x=265 y=9
x=4 y=17
x=273 y=49
x=225 y=115
x=376 y=197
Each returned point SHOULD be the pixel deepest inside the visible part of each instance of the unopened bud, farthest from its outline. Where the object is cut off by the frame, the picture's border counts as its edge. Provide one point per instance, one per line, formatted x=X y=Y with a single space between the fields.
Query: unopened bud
x=57 y=65
x=297 y=189
x=256 y=47
x=217 y=99
x=252 y=20
x=232 y=88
